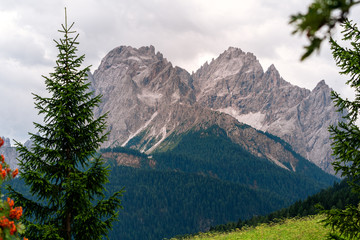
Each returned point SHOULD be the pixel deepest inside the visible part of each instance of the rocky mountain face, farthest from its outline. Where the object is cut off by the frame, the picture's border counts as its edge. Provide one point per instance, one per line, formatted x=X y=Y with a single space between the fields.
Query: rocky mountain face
x=150 y=102
x=137 y=87
x=235 y=84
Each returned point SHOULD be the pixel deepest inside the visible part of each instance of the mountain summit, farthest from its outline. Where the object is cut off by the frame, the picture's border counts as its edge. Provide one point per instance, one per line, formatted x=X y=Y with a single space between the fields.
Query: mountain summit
x=150 y=101
x=269 y=103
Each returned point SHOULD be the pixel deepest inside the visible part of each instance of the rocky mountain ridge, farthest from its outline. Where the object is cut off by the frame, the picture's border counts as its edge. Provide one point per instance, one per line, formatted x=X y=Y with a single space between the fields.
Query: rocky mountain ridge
x=148 y=99
x=235 y=84
x=135 y=84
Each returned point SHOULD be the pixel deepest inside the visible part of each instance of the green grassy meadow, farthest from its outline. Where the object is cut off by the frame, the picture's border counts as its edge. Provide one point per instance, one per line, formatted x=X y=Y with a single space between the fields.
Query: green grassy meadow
x=307 y=228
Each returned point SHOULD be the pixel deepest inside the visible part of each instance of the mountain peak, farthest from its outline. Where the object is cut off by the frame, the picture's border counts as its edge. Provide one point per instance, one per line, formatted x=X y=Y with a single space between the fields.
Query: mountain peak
x=321 y=85
x=140 y=91
x=274 y=74
x=272 y=68
x=273 y=71
x=127 y=54
x=233 y=52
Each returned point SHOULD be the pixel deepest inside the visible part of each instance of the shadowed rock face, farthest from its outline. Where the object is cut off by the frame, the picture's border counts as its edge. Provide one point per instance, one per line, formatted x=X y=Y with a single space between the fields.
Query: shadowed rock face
x=148 y=100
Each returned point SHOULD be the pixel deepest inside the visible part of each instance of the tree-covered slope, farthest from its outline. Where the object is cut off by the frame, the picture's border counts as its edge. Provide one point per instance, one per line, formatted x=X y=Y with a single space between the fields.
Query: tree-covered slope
x=160 y=204
x=203 y=179
x=212 y=152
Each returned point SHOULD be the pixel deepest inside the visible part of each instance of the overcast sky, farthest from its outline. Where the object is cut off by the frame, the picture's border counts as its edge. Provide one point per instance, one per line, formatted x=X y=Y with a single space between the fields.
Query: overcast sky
x=187 y=32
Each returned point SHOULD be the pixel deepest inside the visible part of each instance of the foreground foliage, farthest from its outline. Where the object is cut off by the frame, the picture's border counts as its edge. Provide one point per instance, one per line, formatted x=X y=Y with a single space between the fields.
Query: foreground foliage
x=65 y=177
x=10 y=224
x=320 y=20
x=346 y=134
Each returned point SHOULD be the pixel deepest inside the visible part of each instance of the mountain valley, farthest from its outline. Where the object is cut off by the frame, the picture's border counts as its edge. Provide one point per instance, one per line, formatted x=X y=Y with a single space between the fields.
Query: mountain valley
x=226 y=142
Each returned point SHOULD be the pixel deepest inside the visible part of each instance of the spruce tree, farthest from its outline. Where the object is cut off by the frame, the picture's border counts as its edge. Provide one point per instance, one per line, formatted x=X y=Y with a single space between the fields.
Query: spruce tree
x=346 y=134
x=65 y=175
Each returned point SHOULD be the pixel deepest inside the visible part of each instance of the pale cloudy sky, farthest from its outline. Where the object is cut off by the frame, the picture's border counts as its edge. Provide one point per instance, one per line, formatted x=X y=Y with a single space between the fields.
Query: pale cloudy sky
x=186 y=32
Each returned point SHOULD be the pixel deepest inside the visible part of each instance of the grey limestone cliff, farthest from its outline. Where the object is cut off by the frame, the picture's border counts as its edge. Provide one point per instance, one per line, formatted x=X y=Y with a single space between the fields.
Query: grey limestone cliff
x=269 y=103
x=137 y=85
x=148 y=99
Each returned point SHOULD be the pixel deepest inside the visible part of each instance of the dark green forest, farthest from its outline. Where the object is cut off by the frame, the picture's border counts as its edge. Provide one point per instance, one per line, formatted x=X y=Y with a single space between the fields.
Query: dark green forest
x=204 y=181
x=160 y=204
x=212 y=153
x=163 y=204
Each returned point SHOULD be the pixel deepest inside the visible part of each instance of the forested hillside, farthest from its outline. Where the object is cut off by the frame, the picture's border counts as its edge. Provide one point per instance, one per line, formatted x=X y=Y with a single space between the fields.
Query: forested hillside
x=203 y=180
x=160 y=204
x=212 y=153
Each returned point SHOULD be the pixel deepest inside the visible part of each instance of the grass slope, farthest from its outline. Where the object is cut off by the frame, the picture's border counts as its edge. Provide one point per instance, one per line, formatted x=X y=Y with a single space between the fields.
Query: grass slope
x=307 y=228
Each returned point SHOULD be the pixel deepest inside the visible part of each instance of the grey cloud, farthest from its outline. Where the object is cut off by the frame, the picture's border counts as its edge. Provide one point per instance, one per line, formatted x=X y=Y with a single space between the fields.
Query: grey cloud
x=23 y=50
x=183 y=30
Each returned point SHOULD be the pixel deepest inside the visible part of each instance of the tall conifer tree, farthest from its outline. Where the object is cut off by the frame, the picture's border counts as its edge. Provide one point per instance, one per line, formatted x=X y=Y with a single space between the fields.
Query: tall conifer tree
x=62 y=169
x=346 y=134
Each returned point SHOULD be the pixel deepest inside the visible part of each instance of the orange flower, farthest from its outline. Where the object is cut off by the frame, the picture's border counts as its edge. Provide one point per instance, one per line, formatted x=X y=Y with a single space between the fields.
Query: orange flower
x=19 y=213
x=2 y=158
x=1 y=141
x=12 y=227
x=4 y=222
x=3 y=174
x=15 y=173
x=16 y=213
x=23 y=239
x=8 y=170
x=10 y=202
